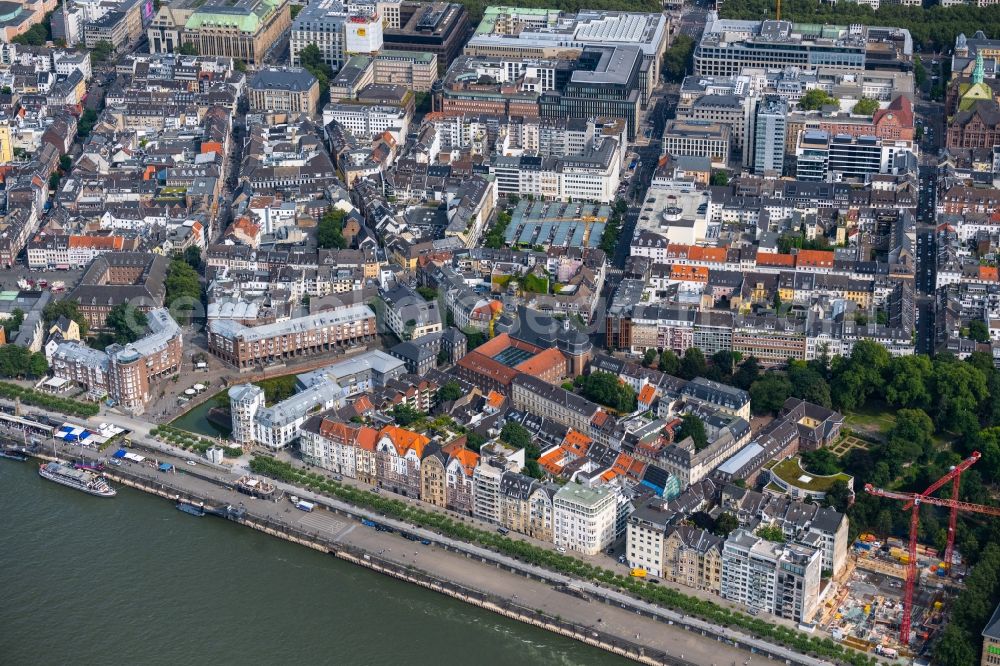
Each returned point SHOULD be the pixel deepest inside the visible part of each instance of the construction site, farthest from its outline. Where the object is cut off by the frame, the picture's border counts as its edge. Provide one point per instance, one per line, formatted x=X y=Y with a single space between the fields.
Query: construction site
x=866 y=611
x=897 y=594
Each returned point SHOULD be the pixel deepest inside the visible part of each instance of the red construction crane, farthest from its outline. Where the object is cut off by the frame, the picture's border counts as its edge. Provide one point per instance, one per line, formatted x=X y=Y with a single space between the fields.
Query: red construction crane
x=913 y=502
x=955 y=476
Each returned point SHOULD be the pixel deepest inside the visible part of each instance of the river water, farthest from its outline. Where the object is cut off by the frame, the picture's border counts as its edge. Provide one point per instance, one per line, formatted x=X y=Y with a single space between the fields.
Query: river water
x=131 y=580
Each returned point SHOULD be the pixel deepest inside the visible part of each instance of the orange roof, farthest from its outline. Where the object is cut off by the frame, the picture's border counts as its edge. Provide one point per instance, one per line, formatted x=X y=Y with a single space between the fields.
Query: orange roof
x=469 y=460
x=577 y=443
x=647 y=394
x=814 y=258
x=494 y=400
x=689 y=273
x=678 y=251
x=543 y=362
x=496 y=345
x=609 y=475
x=404 y=440
x=599 y=418
x=988 y=273
x=97 y=242
x=716 y=254
x=363 y=436
x=552 y=460
x=363 y=404
x=775 y=259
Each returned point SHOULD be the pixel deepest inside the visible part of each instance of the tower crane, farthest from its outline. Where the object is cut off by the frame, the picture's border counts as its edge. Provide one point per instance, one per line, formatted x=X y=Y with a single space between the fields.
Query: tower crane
x=912 y=501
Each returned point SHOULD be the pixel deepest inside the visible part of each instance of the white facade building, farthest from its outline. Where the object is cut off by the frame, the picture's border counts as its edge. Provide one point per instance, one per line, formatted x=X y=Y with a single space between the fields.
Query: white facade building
x=782 y=579
x=584 y=518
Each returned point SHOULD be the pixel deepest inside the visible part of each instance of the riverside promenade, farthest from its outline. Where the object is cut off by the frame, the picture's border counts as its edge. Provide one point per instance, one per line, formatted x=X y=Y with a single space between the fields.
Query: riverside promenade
x=596 y=615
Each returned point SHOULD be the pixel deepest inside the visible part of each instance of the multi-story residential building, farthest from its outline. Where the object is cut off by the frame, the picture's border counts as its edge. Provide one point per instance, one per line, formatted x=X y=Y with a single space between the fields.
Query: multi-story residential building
x=408 y=315
x=486 y=482
x=398 y=454
x=584 y=518
x=803 y=523
x=725 y=398
x=541 y=513
x=274 y=89
x=782 y=579
x=593 y=175
x=251 y=347
x=245 y=400
x=67 y=252
x=693 y=557
x=447 y=478
x=126 y=374
x=515 y=492
x=647 y=527
x=280 y=424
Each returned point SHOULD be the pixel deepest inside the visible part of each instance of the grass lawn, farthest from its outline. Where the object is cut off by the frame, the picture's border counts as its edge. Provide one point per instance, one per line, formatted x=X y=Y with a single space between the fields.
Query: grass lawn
x=873 y=419
x=791 y=472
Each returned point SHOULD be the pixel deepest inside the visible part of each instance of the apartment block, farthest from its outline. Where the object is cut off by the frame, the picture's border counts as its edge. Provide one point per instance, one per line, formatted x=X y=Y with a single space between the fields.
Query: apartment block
x=584 y=518
x=781 y=579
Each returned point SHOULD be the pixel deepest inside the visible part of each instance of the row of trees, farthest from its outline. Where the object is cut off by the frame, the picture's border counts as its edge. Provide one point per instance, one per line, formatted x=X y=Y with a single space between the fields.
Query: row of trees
x=678 y=59
x=970 y=612
x=183 y=286
x=662 y=595
x=44 y=400
x=609 y=239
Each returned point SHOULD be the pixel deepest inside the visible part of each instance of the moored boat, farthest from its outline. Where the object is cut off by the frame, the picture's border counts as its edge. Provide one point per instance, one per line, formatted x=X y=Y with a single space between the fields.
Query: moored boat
x=13 y=454
x=80 y=479
x=191 y=509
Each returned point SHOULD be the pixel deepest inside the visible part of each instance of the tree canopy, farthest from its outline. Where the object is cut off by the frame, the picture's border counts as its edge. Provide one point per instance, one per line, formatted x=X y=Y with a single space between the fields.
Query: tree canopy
x=607 y=389
x=816 y=99
x=127 y=323
x=449 y=391
x=866 y=106
x=330 y=232
x=769 y=393
x=65 y=308
x=677 y=60
x=932 y=27
x=183 y=289
x=692 y=426
x=17 y=361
